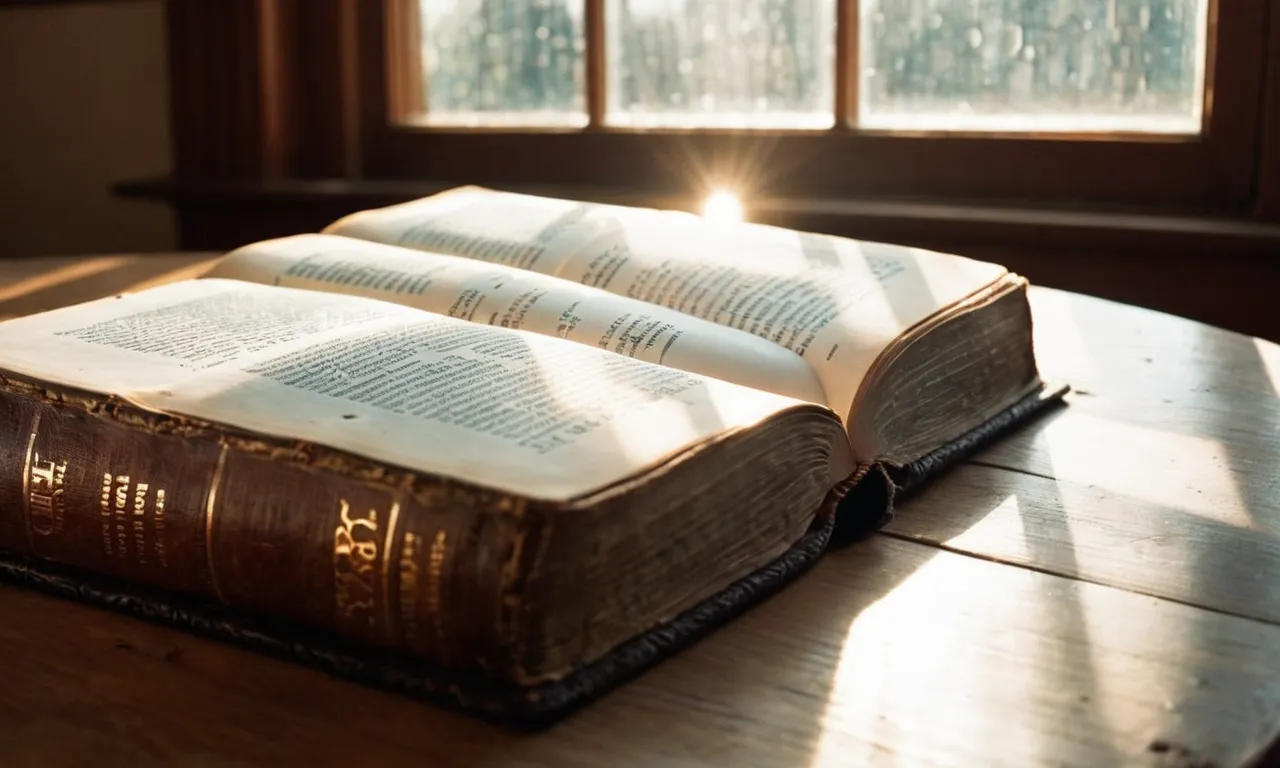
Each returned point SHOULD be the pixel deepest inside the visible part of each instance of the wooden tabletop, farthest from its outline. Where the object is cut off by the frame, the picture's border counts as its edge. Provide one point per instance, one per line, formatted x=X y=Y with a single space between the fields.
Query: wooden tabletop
x=1101 y=589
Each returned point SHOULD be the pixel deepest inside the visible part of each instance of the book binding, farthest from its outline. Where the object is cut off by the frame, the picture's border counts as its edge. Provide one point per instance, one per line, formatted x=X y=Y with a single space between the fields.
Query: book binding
x=865 y=507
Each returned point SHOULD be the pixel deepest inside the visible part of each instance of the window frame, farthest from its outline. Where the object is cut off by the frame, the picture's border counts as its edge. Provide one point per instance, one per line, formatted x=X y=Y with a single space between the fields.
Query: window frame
x=278 y=109
x=1267 y=204
x=1211 y=173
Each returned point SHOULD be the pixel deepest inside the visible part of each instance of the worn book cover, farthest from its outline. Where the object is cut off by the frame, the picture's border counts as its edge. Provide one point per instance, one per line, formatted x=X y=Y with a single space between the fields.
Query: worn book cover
x=501 y=451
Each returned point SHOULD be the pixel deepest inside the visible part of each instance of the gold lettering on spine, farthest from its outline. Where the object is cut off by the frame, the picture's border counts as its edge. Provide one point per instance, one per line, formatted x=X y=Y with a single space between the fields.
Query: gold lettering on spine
x=407 y=592
x=355 y=565
x=140 y=522
x=393 y=516
x=162 y=554
x=26 y=481
x=435 y=568
x=44 y=494
x=104 y=510
x=120 y=510
x=211 y=503
x=124 y=507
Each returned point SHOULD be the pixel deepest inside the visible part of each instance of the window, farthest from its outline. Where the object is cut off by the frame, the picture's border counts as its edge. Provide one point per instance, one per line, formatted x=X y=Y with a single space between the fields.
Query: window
x=720 y=63
x=1034 y=65
x=1080 y=142
x=1046 y=102
x=1096 y=66
x=1148 y=106
x=497 y=63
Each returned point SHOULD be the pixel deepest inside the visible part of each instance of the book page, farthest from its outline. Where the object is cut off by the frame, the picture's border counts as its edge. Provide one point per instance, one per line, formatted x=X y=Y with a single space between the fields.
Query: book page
x=506 y=409
x=506 y=296
x=522 y=231
x=836 y=303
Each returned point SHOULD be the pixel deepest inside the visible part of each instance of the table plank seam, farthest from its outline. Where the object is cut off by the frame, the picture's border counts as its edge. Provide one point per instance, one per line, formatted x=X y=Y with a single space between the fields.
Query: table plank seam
x=1019 y=470
x=997 y=560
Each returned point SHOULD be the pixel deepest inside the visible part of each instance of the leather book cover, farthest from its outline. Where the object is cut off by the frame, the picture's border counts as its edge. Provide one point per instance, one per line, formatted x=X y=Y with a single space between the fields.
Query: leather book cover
x=540 y=705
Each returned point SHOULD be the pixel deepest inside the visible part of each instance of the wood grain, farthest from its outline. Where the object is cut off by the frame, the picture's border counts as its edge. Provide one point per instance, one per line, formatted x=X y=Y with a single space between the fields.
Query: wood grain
x=1097 y=589
x=1162 y=477
x=1166 y=409
x=886 y=650
x=35 y=285
x=1212 y=559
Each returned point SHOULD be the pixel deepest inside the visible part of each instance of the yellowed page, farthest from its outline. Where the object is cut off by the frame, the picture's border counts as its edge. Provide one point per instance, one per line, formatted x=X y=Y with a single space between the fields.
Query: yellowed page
x=523 y=231
x=496 y=294
x=506 y=409
x=837 y=303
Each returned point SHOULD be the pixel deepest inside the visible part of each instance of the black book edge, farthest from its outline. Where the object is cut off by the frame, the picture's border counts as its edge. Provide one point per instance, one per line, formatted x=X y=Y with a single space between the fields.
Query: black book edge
x=505 y=703
x=855 y=520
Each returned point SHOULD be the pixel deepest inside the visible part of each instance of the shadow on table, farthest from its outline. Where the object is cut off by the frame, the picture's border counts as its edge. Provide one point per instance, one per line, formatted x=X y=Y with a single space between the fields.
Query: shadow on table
x=1173 y=377
x=914 y=644
x=785 y=684
x=887 y=647
x=1071 y=497
x=773 y=687
x=1167 y=463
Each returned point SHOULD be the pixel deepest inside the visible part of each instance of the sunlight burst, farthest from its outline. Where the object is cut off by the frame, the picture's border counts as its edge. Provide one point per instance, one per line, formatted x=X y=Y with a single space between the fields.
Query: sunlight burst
x=722 y=207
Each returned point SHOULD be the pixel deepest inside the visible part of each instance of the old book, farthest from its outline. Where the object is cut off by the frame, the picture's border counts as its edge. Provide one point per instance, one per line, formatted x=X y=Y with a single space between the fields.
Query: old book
x=498 y=450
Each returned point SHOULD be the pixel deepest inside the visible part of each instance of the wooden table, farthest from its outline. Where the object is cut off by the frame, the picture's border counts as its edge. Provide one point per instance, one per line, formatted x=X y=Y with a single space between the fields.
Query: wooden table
x=1101 y=589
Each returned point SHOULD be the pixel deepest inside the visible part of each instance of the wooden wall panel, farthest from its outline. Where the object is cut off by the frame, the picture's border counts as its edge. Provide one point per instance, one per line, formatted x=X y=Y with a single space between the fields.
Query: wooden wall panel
x=1268 y=202
x=263 y=89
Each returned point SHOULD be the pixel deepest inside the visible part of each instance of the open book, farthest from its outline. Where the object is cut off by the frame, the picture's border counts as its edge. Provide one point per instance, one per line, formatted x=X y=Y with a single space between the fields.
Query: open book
x=495 y=448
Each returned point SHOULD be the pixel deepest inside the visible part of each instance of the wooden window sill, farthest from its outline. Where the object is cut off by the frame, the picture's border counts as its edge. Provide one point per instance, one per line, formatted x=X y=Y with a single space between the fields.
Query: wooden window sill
x=1216 y=269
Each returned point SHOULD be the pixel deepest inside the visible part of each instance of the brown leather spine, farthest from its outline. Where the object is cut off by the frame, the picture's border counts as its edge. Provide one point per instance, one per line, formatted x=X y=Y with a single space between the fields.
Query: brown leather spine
x=370 y=553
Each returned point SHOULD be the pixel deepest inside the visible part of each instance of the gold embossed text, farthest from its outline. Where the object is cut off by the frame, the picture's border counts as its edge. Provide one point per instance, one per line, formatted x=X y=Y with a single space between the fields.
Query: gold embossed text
x=132 y=516
x=46 y=495
x=435 y=569
x=104 y=509
x=355 y=565
x=408 y=591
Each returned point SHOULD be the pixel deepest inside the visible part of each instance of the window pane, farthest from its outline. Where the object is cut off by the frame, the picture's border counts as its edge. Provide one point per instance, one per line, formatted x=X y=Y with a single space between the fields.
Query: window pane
x=1033 y=65
x=503 y=62
x=721 y=63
